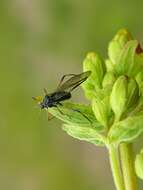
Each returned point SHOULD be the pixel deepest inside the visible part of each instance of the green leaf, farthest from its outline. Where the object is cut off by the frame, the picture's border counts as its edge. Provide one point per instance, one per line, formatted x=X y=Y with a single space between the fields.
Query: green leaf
x=85 y=134
x=126 y=130
x=76 y=114
x=128 y=62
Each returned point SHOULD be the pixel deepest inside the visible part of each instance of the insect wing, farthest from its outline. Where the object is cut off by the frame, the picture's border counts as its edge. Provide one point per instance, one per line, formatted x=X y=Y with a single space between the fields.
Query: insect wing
x=74 y=81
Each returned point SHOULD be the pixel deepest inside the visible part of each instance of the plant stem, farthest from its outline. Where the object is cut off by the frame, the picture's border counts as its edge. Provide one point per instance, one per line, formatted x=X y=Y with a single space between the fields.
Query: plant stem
x=115 y=167
x=127 y=160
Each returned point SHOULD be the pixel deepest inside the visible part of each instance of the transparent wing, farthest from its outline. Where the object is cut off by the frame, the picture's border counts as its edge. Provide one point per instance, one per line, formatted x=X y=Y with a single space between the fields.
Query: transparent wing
x=73 y=82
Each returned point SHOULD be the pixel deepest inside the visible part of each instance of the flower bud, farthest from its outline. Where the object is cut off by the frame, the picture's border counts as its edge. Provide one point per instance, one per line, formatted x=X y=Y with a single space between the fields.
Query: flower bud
x=109 y=79
x=117 y=44
x=118 y=96
x=101 y=110
x=89 y=89
x=132 y=94
x=109 y=65
x=96 y=65
x=139 y=78
x=139 y=164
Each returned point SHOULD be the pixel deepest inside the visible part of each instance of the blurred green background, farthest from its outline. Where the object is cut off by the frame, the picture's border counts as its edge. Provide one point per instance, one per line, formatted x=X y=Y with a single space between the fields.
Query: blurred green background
x=40 y=40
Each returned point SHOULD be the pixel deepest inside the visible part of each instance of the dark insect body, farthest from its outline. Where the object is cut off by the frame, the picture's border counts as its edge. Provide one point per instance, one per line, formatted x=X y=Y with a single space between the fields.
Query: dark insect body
x=64 y=89
x=54 y=99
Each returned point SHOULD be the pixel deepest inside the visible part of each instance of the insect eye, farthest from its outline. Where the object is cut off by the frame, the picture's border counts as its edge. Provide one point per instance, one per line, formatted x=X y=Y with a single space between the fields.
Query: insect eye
x=46 y=100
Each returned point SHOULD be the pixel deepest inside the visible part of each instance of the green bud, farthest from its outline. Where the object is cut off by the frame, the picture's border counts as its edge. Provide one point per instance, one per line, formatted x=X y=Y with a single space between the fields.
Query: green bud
x=89 y=89
x=117 y=44
x=101 y=109
x=138 y=60
x=109 y=79
x=128 y=62
x=109 y=65
x=139 y=164
x=139 y=78
x=118 y=96
x=96 y=65
x=132 y=94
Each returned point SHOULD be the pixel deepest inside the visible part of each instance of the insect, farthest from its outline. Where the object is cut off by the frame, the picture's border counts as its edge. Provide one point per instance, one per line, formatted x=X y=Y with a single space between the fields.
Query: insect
x=63 y=91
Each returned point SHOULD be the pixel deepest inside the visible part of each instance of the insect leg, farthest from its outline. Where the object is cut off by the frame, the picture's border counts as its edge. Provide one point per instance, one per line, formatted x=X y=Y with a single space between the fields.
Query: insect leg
x=73 y=110
x=83 y=115
x=58 y=108
x=63 y=77
x=59 y=103
x=50 y=116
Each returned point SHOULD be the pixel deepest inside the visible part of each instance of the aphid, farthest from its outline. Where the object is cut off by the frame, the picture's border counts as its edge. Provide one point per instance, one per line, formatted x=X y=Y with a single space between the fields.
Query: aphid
x=63 y=91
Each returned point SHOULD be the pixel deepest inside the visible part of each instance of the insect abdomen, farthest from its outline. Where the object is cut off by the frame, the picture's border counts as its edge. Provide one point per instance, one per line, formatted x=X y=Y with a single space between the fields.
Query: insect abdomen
x=61 y=96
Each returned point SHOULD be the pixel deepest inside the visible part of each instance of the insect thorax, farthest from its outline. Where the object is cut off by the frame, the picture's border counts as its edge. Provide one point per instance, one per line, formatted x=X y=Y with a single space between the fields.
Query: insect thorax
x=45 y=102
x=55 y=98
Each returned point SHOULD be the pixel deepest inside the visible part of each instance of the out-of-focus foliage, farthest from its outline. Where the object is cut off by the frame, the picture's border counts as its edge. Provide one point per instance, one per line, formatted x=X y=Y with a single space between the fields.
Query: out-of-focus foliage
x=40 y=41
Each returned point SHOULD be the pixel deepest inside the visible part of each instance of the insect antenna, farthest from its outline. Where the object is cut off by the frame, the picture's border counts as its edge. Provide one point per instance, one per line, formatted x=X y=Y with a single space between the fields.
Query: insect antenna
x=45 y=91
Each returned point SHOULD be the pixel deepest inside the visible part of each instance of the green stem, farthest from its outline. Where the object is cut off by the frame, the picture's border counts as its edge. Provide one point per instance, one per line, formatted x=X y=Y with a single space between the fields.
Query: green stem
x=127 y=160
x=115 y=167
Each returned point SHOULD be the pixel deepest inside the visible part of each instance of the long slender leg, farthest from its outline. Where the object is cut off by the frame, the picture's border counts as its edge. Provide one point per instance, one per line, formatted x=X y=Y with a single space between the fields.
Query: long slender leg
x=72 y=110
x=60 y=104
x=56 y=106
x=83 y=115
x=50 y=116
x=77 y=111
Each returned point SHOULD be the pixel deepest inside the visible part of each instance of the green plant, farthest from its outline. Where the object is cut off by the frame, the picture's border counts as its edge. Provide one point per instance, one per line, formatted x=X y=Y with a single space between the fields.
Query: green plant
x=115 y=112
